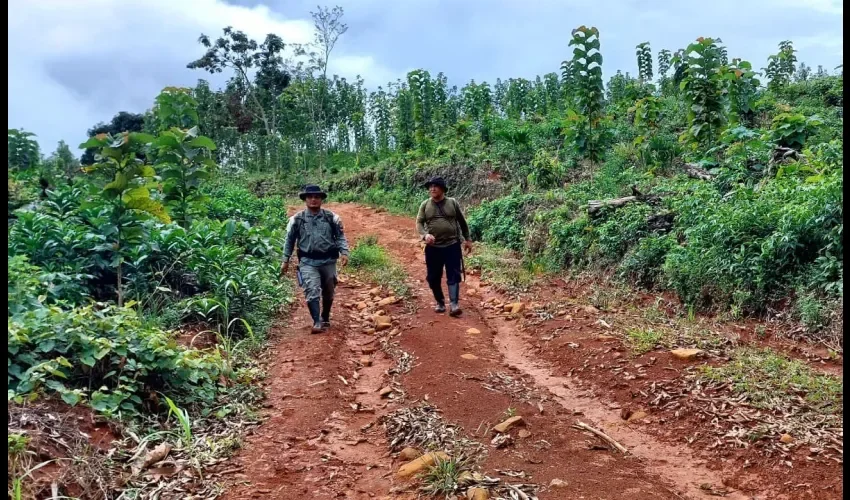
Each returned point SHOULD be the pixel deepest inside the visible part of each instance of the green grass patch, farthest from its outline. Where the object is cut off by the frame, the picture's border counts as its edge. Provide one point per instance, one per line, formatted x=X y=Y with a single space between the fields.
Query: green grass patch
x=443 y=478
x=772 y=381
x=502 y=268
x=374 y=263
x=644 y=340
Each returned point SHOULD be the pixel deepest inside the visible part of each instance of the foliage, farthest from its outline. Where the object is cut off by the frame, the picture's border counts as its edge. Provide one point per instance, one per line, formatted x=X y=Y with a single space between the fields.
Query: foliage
x=644 y=61
x=103 y=355
x=22 y=150
x=781 y=66
x=587 y=71
x=184 y=160
x=704 y=91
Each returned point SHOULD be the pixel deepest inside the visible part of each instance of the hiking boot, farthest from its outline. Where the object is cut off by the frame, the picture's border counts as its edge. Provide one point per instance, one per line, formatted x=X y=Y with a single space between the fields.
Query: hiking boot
x=313 y=306
x=326 y=312
x=326 y=324
x=454 y=294
x=440 y=307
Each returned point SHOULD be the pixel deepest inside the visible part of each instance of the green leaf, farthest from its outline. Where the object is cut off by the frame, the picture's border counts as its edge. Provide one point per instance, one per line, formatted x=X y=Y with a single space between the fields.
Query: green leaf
x=117 y=185
x=166 y=139
x=141 y=138
x=71 y=398
x=202 y=142
x=132 y=194
x=147 y=171
x=151 y=207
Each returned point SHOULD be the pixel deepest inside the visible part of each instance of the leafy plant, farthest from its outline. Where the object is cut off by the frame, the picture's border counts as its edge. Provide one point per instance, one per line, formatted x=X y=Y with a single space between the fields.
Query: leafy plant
x=587 y=71
x=184 y=161
x=128 y=193
x=644 y=62
x=704 y=89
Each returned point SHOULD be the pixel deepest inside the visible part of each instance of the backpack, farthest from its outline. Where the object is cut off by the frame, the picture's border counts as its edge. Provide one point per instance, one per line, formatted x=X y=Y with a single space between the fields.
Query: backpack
x=438 y=208
x=329 y=218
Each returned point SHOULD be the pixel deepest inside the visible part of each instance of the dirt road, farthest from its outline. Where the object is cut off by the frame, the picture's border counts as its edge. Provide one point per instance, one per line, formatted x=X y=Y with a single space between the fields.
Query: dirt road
x=323 y=437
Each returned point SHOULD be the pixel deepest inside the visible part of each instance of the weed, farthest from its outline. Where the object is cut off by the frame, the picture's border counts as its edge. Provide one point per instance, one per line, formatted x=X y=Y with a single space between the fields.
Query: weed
x=373 y=261
x=643 y=340
x=442 y=478
x=772 y=381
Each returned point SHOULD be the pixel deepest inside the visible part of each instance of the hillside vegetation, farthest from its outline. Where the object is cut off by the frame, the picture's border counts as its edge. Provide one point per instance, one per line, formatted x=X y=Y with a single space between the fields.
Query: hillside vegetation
x=143 y=280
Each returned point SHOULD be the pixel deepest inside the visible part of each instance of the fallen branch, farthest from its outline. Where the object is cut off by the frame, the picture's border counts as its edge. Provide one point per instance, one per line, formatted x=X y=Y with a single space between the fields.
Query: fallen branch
x=696 y=172
x=605 y=437
x=594 y=206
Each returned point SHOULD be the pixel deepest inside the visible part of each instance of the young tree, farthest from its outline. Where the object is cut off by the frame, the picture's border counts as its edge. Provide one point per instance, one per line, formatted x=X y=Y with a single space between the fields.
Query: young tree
x=22 y=149
x=703 y=84
x=644 y=62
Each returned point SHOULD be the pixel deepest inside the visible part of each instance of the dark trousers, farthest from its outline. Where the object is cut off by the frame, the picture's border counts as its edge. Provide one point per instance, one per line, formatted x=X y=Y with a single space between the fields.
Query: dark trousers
x=436 y=258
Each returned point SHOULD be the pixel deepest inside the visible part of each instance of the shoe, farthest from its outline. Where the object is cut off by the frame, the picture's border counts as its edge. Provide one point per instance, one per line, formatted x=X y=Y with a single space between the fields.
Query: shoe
x=454 y=294
x=326 y=324
x=440 y=308
x=313 y=306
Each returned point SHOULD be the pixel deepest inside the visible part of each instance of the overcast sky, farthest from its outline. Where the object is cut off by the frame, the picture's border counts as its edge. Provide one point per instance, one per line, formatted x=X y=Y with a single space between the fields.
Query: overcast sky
x=73 y=63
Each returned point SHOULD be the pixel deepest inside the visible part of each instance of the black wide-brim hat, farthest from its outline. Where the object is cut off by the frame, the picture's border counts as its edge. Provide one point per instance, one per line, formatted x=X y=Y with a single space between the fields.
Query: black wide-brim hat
x=438 y=181
x=312 y=189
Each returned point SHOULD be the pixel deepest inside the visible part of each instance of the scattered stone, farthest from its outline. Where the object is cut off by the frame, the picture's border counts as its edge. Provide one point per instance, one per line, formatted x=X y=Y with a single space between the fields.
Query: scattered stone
x=634 y=417
x=409 y=454
x=420 y=464
x=625 y=413
x=469 y=356
x=604 y=337
x=369 y=331
x=591 y=310
x=524 y=433
x=686 y=354
x=517 y=307
x=375 y=291
x=509 y=424
x=787 y=439
x=477 y=494
x=366 y=361
x=473 y=331
x=389 y=300
x=385 y=392
x=558 y=483
x=383 y=323
x=361 y=306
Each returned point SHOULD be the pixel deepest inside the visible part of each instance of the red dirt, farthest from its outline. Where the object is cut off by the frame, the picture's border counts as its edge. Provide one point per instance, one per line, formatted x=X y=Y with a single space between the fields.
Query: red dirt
x=316 y=445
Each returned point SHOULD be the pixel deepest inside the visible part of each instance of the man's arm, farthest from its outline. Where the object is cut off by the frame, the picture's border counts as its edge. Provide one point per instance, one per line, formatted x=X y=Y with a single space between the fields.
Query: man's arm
x=461 y=220
x=420 y=220
x=341 y=241
x=289 y=242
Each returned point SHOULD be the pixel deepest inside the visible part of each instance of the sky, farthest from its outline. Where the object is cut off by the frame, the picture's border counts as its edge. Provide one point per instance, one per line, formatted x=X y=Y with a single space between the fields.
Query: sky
x=74 y=63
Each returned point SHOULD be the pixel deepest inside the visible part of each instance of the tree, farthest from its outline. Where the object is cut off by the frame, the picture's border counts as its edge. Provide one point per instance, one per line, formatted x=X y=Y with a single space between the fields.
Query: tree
x=644 y=62
x=23 y=150
x=127 y=194
x=703 y=84
x=587 y=71
x=121 y=122
x=63 y=162
x=235 y=50
x=781 y=66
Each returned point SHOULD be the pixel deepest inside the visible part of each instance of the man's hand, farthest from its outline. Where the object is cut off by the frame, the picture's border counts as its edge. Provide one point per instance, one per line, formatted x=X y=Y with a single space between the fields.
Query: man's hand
x=343 y=260
x=467 y=245
x=284 y=268
x=429 y=239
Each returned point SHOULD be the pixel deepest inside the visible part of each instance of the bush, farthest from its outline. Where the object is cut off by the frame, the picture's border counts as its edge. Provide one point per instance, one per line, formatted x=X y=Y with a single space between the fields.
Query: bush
x=105 y=355
x=642 y=266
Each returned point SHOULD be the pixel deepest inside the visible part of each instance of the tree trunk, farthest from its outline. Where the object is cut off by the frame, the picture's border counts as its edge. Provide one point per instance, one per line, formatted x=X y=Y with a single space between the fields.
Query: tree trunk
x=695 y=172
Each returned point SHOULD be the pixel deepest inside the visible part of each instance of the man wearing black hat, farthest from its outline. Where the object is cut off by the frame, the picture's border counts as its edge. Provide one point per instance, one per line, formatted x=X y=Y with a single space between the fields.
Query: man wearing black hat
x=442 y=227
x=321 y=241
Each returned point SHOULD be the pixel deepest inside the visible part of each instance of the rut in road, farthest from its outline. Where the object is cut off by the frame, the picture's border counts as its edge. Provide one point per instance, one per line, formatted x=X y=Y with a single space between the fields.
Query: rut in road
x=323 y=436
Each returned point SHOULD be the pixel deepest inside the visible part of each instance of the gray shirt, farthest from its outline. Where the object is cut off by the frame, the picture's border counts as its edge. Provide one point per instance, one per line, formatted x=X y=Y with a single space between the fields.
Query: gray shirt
x=315 y=235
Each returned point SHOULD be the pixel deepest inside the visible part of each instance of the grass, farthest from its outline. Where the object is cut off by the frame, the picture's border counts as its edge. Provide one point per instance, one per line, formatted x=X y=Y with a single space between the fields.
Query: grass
x=373 y=261
x=643 y=340
x=442 y=478
x=500 y=267
x=772 y=381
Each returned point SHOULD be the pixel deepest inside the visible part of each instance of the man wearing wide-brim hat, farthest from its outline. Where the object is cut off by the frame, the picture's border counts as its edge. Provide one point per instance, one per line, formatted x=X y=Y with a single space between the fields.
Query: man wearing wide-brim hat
x=443 y=228
x=320 y=238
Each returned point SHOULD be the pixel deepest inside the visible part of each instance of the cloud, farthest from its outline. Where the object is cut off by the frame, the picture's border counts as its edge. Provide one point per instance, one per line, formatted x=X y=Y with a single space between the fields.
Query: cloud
x=89 y=59
x=74 y=63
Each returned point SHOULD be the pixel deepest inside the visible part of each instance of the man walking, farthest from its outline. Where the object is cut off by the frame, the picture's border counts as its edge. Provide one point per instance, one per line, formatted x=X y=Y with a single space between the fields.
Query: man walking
x=442 y=227
x=321 y=241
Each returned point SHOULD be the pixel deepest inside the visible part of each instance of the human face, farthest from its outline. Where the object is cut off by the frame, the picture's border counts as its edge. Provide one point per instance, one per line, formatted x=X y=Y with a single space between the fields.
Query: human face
x=314 y=201
x=436 y=192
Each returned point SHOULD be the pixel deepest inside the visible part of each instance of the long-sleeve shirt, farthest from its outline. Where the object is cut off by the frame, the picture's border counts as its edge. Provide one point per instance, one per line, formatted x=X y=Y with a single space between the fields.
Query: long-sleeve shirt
x=315 y=237
x=444 y=220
